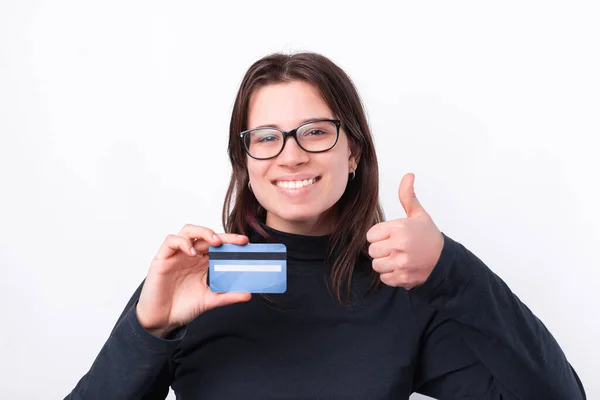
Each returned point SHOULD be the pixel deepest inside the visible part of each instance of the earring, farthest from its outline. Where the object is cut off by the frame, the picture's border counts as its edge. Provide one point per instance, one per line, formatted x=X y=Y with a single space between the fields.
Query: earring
x=353 y=175
x=249 y=187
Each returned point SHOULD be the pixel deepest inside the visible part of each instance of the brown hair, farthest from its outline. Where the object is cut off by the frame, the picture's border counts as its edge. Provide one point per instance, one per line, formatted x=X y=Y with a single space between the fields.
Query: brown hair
x=358 y=209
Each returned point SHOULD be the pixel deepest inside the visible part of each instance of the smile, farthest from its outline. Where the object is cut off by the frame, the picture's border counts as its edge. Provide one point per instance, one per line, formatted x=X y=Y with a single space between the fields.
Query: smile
x=296 y=184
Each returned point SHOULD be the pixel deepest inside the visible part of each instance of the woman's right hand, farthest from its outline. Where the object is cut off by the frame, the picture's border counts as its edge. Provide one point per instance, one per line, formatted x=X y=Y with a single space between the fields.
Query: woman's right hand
x=175 y=291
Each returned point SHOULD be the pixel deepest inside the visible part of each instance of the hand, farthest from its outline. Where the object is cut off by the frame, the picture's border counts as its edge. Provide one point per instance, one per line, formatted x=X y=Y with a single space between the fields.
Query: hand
x=175 y=290
x=406 y=250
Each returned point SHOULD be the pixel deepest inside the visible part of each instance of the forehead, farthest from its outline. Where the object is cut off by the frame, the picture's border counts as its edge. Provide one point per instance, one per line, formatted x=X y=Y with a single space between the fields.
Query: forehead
x=286 y=105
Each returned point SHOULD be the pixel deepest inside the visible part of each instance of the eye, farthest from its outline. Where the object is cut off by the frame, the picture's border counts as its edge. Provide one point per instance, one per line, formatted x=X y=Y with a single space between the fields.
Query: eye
x=315 y=132
x=268 y=138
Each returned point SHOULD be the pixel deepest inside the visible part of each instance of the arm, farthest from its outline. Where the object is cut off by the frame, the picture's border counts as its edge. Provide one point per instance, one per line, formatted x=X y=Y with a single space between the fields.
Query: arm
x=132 y=364
x=480 y=340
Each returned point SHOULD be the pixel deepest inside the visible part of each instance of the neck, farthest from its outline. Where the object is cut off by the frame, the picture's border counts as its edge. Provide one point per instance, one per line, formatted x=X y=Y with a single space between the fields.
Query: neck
x=318 y=226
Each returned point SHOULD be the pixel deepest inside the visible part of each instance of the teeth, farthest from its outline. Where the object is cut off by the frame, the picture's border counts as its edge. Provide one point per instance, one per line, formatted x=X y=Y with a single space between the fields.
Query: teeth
x=295 y=184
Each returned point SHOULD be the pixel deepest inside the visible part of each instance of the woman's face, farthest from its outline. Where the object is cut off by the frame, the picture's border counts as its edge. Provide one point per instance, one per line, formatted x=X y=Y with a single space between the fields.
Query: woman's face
x=297 y=210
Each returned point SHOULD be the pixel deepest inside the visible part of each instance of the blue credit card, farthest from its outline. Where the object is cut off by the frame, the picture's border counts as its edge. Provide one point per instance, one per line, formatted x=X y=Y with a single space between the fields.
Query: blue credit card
x=251 y=268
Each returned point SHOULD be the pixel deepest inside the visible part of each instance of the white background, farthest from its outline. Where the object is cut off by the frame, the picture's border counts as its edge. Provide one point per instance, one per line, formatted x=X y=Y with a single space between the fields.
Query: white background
x=114 y=118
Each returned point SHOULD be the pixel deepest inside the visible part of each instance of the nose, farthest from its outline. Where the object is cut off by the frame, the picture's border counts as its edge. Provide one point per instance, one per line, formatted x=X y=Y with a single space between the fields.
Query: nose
x=292 y=155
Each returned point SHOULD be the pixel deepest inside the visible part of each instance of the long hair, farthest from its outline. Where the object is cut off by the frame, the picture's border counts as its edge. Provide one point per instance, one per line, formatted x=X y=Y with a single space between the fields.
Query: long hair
x=358 y=209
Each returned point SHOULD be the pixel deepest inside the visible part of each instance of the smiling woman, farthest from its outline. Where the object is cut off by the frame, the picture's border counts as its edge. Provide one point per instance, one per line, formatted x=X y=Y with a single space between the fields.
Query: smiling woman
x=340 y=178
x=374 y=309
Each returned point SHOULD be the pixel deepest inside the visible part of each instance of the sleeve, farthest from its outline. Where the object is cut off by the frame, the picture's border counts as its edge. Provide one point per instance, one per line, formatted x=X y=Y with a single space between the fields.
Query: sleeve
x=132 y=364
x=480 y=341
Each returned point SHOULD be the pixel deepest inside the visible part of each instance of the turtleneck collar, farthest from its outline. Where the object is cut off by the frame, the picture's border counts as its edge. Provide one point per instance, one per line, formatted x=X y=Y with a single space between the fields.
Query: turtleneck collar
x=299 y=247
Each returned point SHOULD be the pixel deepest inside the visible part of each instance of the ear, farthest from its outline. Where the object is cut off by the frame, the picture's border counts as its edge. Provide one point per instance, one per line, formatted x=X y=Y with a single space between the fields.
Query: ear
x=352 y=164
x=353 y=156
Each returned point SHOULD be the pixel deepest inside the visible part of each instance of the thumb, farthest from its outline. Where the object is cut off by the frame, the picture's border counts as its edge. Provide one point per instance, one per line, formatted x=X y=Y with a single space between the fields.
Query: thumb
x=407 y=196
x=225 y=299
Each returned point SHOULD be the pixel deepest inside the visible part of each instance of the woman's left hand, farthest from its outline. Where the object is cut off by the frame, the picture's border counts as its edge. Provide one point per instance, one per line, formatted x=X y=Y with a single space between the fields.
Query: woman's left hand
x=406 y=250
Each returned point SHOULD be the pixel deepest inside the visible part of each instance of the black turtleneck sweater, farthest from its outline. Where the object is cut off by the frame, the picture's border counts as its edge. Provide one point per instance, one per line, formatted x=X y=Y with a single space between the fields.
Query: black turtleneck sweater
x=462 y=334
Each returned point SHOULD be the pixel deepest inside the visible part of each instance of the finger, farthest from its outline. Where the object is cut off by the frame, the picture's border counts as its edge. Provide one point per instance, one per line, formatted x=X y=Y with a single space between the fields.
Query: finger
x=407 y=196
x=378 y=232
x=214 y=239
x=398 y=242
x=392 y=279
x=172 y=244
x=233 y=238
x=383 y=265
x=380 y=249
x=202 y=247
x=200 y=233
x=388 y=278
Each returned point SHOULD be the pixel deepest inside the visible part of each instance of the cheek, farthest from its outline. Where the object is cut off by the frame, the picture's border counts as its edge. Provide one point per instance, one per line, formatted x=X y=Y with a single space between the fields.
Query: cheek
x=340 y=176
x=256 y=169
x=339 y=166
x=262 y=188
x=336 y=169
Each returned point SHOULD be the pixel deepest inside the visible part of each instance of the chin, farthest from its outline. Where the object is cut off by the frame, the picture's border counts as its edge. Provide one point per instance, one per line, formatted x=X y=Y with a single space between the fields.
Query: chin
x=298 y=216
x=303 y=214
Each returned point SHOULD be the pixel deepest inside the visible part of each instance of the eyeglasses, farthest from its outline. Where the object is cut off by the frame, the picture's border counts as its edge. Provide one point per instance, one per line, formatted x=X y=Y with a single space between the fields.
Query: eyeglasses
x=314 y=137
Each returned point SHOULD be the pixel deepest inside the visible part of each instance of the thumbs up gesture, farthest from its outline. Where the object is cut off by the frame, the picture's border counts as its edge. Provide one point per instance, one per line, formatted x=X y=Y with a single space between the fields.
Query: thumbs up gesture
x=406 y=250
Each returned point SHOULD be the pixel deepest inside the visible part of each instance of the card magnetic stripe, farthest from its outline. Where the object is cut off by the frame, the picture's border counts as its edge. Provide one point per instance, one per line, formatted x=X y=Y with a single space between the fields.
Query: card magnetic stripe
x=245 y=255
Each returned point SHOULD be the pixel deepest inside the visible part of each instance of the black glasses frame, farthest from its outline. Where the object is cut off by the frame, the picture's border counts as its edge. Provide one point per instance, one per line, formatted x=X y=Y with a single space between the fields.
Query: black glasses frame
x=291 y=133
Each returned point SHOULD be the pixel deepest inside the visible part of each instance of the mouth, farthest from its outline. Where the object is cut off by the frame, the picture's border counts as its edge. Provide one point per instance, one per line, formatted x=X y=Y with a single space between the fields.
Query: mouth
x=296 y=184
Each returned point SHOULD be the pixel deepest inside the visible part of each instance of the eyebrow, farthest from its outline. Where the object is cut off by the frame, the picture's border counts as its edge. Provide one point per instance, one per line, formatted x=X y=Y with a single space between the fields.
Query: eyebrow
x=301 y=122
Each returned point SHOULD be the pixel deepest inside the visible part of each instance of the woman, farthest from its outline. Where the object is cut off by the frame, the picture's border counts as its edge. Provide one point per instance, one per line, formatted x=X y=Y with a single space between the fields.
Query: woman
x=373 y=309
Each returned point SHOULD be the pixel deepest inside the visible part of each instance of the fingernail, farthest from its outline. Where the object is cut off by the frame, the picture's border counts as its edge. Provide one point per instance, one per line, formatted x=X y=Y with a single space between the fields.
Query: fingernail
x=193 y=251
x=215 y=236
